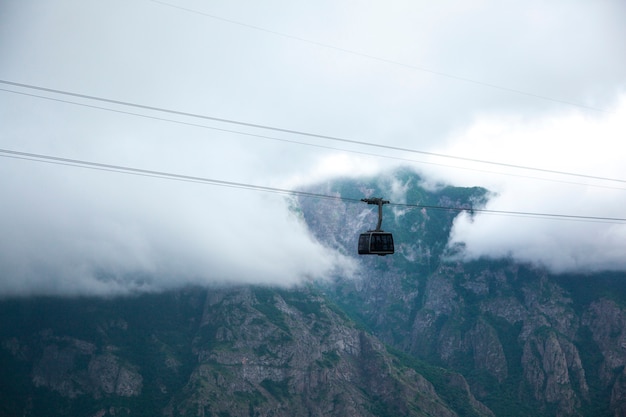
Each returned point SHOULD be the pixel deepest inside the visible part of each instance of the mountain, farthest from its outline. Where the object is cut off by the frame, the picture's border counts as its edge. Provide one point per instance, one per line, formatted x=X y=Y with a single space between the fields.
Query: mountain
x=251 y=351
x=416 y=333
x=528 y=342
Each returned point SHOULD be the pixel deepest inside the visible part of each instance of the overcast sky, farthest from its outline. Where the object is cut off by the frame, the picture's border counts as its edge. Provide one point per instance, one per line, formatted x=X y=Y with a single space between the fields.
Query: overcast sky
x=536 y=84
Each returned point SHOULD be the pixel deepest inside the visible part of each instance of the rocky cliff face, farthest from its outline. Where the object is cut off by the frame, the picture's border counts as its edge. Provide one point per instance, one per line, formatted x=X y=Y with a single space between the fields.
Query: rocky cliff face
x=72 y=368
x=221 y=352
x=262 y=352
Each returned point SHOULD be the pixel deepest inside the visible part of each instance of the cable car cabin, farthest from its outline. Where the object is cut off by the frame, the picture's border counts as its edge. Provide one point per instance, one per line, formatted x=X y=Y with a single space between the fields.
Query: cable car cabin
x=376 y=243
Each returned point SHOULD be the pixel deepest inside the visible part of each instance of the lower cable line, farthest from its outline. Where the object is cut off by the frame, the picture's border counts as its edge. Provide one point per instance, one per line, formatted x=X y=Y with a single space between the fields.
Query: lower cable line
x=8 y=153
x=157 y=174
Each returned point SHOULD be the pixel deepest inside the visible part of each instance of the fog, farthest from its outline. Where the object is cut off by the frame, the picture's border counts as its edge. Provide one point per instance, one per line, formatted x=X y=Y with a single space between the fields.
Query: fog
x=534 y=85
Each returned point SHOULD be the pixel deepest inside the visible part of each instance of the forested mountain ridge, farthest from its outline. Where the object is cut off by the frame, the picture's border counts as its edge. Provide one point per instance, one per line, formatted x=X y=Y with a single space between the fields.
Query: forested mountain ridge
x=416 y=333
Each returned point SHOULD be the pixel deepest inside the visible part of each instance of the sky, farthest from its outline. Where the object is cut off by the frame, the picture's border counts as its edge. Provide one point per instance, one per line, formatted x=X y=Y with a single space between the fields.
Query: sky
x=463 y=92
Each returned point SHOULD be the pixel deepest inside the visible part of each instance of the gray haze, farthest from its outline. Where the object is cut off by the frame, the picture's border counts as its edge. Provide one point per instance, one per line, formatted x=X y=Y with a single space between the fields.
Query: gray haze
x=534 y=84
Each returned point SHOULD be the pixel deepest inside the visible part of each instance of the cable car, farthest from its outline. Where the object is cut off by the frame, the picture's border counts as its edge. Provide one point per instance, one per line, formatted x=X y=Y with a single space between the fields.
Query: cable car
x=376 y=242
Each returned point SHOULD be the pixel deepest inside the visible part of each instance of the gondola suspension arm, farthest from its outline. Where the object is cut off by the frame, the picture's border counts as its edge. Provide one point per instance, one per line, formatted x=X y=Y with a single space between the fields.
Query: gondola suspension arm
x=379 y=202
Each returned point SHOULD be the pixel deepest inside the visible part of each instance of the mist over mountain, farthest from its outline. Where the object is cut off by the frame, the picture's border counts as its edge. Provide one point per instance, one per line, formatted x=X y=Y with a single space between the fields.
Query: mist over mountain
x=145 y=269
x=422 y=332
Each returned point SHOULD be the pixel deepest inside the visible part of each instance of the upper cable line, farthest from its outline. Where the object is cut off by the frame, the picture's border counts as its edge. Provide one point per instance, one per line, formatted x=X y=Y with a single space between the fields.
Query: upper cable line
x=302 y=133
x=8 y=153
x=295 y=142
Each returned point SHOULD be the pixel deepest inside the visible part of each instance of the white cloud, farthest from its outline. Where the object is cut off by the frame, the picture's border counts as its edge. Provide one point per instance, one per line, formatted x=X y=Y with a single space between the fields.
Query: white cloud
x=60 y=224
x=79 y=234
x=571 y=143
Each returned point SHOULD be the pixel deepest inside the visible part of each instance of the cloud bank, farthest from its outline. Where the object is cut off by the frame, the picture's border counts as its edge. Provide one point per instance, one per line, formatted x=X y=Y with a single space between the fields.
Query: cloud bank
x=573 y=144
x=530 y=83
x=82 y=235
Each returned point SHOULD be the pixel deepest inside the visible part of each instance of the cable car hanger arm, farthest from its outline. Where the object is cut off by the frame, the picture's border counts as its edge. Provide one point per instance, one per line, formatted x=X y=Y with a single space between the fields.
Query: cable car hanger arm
x=379 y=202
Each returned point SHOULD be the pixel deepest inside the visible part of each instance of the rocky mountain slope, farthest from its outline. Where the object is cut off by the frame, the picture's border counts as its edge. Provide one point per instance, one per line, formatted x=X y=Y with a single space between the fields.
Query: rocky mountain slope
x=415 y=334
x=529 y=343
x=249 y=351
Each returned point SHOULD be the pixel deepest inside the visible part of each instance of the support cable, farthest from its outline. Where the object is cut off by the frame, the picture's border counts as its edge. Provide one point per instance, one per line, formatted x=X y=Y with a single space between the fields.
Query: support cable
x=295 y=142
x=384 y=60
x=302 y=133
x=210 y=181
